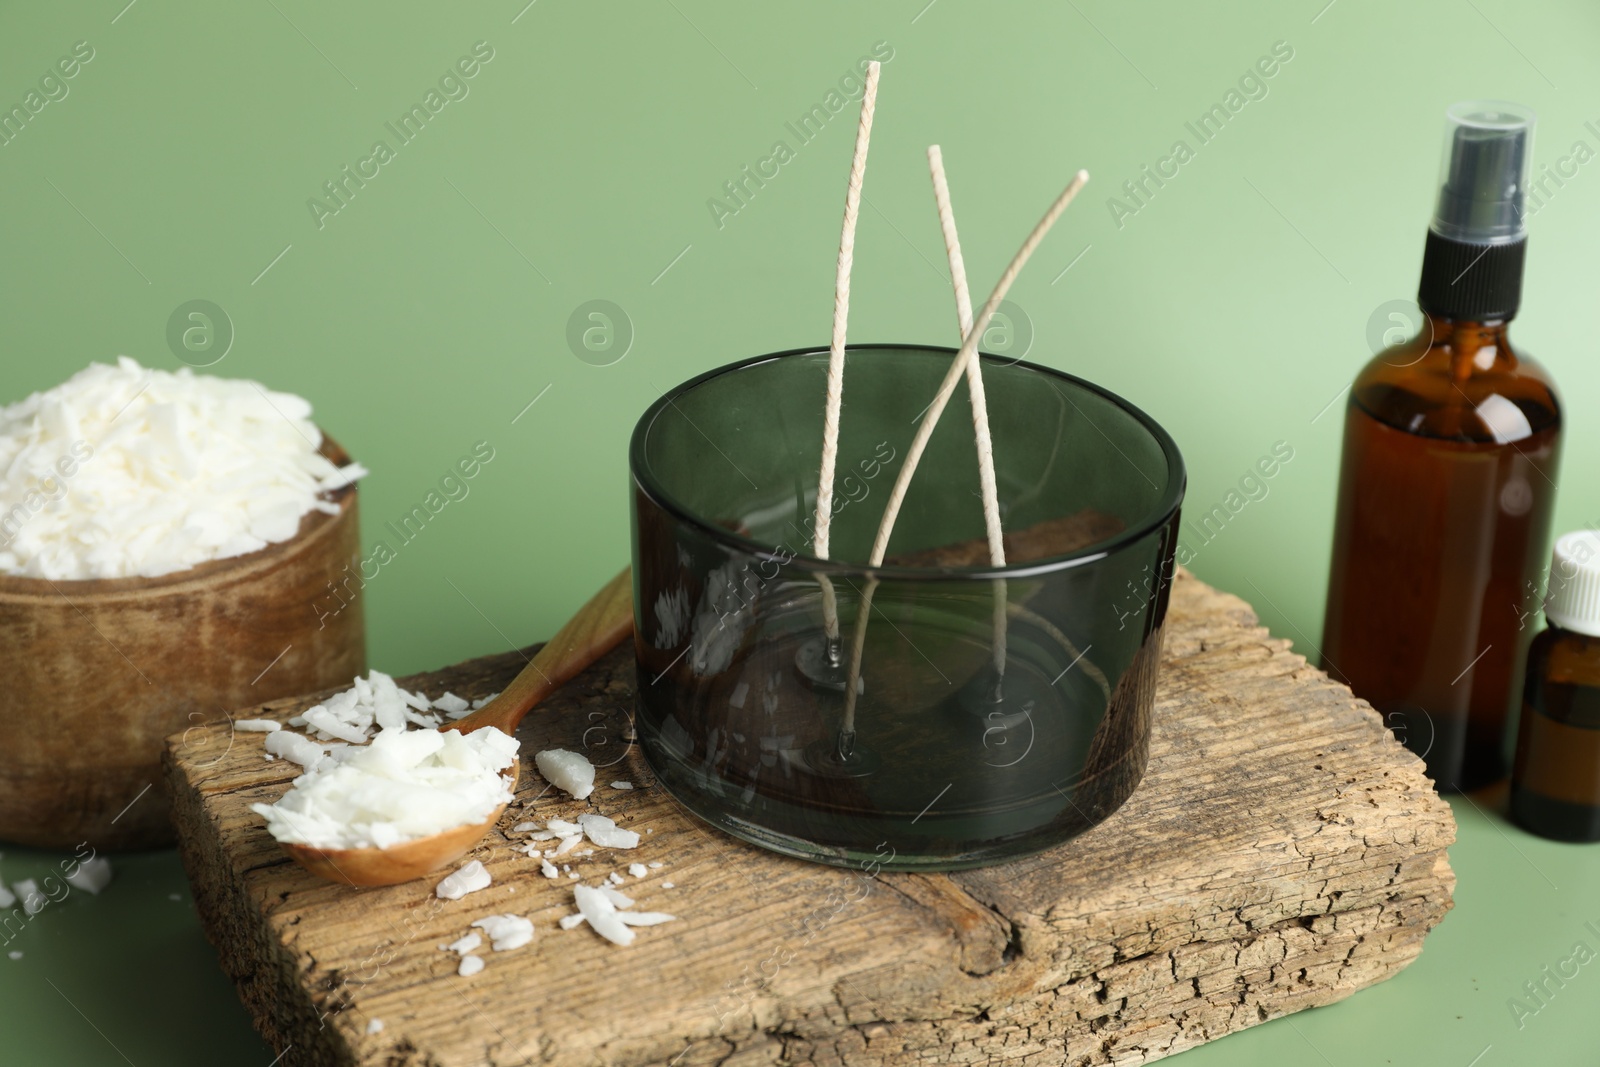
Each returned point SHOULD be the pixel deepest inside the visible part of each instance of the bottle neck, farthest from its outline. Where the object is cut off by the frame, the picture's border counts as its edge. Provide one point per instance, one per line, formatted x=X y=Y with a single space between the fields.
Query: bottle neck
x=1473 y=345
x=1468 y=333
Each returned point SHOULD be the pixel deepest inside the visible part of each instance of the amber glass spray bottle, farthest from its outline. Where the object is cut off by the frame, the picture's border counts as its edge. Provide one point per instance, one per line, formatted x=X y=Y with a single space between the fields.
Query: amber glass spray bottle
x=1448 y=478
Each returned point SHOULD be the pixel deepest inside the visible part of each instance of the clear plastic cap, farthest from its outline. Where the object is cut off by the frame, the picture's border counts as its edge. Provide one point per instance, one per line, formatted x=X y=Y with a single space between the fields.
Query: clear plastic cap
x=1483 y=180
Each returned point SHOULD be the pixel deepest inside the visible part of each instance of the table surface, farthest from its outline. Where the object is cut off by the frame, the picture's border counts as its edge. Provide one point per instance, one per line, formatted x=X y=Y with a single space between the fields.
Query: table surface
x=446 y=301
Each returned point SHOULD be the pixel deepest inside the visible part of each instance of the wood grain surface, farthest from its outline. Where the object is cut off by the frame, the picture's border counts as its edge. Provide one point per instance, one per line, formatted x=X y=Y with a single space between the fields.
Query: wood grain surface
x=1282 y=852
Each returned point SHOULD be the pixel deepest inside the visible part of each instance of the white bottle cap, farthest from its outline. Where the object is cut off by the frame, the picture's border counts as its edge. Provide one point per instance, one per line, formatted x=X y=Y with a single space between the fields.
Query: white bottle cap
x=1572 y=600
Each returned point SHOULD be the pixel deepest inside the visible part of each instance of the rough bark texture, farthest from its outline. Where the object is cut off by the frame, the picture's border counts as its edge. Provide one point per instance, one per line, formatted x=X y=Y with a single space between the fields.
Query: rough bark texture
x=1282 y=852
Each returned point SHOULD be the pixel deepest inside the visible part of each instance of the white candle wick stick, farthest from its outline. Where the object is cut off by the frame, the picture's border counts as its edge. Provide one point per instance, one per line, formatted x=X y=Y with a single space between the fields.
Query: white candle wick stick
x=958 y=367
x=980 y=404
x=930 y=419
x=841 y=315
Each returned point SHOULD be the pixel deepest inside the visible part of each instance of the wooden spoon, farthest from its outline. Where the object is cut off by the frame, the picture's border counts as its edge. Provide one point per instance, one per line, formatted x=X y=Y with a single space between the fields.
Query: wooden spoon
x=597 y=628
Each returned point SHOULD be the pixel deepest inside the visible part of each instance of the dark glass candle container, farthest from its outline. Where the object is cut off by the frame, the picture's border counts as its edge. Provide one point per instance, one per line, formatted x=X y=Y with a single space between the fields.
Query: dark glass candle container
x=956 y=756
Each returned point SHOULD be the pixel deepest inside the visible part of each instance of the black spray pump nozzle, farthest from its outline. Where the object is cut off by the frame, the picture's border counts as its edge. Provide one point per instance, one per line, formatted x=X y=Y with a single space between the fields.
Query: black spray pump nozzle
x=1483 y=183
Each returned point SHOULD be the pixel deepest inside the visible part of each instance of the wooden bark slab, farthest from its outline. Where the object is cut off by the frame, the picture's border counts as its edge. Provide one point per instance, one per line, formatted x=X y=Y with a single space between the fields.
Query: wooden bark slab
x=1282 y=852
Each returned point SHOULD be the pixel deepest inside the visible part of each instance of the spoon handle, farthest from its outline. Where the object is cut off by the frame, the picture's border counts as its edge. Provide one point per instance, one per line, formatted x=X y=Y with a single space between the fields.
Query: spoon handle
x=598 y=627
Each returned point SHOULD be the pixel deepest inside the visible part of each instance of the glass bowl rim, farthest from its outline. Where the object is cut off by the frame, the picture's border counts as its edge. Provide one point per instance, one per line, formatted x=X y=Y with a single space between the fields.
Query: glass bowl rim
x=1166 y=506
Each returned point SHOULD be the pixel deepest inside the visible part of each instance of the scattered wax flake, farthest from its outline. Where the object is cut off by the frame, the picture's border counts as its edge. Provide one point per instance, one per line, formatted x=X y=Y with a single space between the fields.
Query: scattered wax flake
x=33 y=901
x=375 y=1026
x=296 y=747
x=470 y=965
x=645 y=918
x=607 y=913
x=621 y=785
x=667 y=885
x=91 y=876
x=601 y=915
x=258 y=726
x=464 y=944
x=567 y=922
x=655 y=864
x=548 y=869
x=14 y=954
x=469 y=879
x=620 y=899
x=605 y=833
x=323 y=720
x=372 y=703
x=524 y=827
x=506 y=932
x=638 y=870
x=567 y=771
x=451 y=705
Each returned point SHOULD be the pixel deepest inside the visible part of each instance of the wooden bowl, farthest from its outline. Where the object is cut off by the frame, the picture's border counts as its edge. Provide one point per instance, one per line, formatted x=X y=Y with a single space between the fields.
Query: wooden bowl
x=98 y=673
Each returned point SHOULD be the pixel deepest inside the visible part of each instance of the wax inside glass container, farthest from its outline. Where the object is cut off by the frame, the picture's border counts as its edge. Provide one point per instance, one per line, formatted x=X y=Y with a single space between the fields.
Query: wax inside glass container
x=956 y=760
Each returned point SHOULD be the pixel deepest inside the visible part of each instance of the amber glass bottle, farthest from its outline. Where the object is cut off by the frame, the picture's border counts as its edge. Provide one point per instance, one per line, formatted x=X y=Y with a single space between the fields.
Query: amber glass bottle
x=1555 y=784
x=1448 y=478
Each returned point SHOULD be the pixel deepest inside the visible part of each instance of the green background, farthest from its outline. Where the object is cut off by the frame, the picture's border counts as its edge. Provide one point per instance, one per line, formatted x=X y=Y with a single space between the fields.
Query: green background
x=425 y=315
